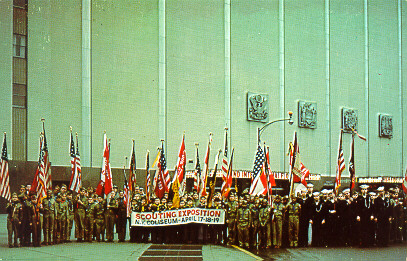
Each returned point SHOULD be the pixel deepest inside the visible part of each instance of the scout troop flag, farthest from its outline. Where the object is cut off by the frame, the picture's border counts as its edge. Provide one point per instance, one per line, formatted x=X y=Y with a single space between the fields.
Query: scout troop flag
x=225 y=165
x=259 y=180
x=352 y=171
x=76 y=170
x=352 y=163
x=229 y=177
x=298 y=172
x=212 y=180
x=197 y=172
x=341 y=164
x=132 y=175
x=148 y=180
x=4 y=174
x=271 y=182
x=180 y=168
x=105 y=185
x=202 y=182
x=404 y=184
x=157 y=171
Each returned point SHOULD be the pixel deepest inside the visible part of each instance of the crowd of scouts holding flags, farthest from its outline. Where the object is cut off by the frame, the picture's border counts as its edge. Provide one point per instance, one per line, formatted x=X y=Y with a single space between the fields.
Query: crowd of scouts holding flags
x=254 y=217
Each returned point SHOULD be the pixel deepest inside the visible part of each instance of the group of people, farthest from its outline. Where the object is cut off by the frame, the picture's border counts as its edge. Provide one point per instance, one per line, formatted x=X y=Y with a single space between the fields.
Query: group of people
x=309 y=218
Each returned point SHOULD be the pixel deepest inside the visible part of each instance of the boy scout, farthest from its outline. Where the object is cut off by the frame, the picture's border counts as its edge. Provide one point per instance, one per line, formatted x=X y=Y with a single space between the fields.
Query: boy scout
x=48 y=204
x=277 y=222
x=89 y=220
x=13 y=220
x=243 y=223
x=294 y=210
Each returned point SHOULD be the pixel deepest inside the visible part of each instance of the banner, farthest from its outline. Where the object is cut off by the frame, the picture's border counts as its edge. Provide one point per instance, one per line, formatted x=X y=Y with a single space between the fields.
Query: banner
x=178 y=217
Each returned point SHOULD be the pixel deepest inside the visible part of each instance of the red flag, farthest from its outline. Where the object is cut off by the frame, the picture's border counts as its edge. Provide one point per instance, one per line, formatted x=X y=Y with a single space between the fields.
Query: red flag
x=340 y=164
x=4 y=174
x=298 y=172
x=105 y=185
x=180 y=169
x=404 y=184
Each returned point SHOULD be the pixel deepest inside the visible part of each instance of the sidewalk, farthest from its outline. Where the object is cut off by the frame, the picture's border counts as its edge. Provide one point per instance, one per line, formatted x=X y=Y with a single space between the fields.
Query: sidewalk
x=104 y=251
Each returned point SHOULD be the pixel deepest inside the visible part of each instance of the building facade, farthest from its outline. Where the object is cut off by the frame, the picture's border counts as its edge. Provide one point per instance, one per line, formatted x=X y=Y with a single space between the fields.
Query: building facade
x=150 y=70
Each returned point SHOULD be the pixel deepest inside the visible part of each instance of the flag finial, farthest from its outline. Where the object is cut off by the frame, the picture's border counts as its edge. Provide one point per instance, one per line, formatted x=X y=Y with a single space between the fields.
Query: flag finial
x=70 y=128
x=226 y=128
x=196 y=144
x=42 y=119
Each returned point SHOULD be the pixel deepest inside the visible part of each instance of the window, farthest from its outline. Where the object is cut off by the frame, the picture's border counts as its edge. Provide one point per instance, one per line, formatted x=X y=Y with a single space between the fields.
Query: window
x=19 y=46
x=19 y=95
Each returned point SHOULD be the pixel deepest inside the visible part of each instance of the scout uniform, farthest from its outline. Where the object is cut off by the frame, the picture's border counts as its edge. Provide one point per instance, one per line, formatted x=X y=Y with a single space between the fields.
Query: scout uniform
x=255 y=211
x=265 y=226
x=48 y=204
x=99 y=209
x=89 y=220
x=80 y=205
x=61 y=218
x=243 y=223
x=70 y=218
x=294 y=210
x=14 y=211
x=277 y=222
x=35 y=219
x=231 y=213
x=121 y=218
x=111 y=209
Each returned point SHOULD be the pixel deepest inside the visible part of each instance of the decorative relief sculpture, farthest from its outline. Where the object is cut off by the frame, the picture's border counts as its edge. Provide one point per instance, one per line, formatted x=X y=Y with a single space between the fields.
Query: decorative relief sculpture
x=385 y=126
x=349 y=120
x=307 y=114
x=257 y=107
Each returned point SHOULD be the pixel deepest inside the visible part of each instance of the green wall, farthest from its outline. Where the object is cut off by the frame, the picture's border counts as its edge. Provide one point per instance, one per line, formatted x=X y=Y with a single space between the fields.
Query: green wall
x=125 y=74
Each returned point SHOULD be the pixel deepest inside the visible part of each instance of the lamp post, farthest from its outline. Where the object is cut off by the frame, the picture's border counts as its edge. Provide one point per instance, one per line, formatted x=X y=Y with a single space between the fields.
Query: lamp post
x=289 y=119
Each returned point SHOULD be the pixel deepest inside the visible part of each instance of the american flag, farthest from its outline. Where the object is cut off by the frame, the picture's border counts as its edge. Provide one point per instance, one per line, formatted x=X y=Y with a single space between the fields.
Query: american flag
x=76 y=175
x=229 y=177
x=4 y=174
x=163 y=170
x=341 y=164
x=148 y=179
x=38 y=186
x=259 y=179
x=127 y=194
x=225 y=165
x=46 y=164
x=197 y=173
x=132 y=175
x=352 y=163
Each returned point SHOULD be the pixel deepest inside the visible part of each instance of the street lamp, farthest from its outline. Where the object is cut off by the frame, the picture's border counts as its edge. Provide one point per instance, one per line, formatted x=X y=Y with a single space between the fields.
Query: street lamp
x=289 y=119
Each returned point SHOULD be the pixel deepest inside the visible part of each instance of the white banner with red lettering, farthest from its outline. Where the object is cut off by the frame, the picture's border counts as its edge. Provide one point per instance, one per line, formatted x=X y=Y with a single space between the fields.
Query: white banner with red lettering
x=178 y=217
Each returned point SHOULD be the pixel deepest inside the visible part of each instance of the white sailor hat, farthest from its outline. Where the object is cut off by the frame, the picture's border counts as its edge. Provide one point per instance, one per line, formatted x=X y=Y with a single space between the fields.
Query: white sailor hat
x=346 y=190
x=330 y=191
x=324 y=191
x=310 y=185
x=364 y=186
x=315 y=194
x=380 y=188
x=372 y=193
